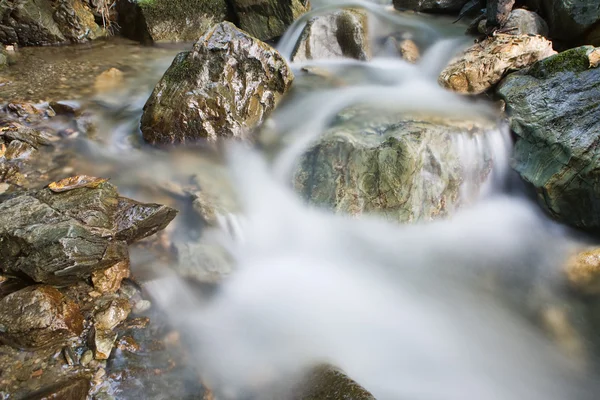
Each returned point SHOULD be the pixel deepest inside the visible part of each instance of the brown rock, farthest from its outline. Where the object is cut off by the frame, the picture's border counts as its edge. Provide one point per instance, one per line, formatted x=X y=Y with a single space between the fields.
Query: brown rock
x=38 y=316
x=102 y=341
x=109 y=280
x=110 y=79
x=583 y=271
x=112 y=314
x=72 y=389
x=484 y=64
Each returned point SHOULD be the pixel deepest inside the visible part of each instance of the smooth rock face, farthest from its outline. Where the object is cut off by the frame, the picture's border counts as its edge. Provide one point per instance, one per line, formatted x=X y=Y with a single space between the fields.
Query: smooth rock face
x=521 y=22
x=568 y=20
x=39 y=22
x=554 y=109
x=226 y=86
x=268 y=19
x=68 y=230
x=441 y=6
x=38 y=316
x=484 y=64
x=341 y=34
x=170 y=20
x=404 y=169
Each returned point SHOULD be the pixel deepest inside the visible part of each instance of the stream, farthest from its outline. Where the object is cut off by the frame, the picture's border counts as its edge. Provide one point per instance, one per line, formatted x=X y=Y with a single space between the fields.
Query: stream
x=432 y=309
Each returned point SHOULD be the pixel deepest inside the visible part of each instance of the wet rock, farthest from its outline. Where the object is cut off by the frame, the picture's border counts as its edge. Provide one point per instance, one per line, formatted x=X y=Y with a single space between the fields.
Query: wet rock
x=109 y=280
x=170 y=20
x=583 y=271
x=102 y=341
x=409 y=50
x=17 y=149
x=497 y=12
x=226 y=86
x=40 y=22
x=403 y=169
x=568 y=20
x=110 y=79
x=435 y=6
x=60 y=237
x=86 y=357
x=521 y=22
x=341 y=34
x=203 y=262
x=38 y=316
x=66 y=107
x=329 y=383
x=268 y=19
x=554 y=111
x=112 y=314
x=72 y=389
x=484 y=64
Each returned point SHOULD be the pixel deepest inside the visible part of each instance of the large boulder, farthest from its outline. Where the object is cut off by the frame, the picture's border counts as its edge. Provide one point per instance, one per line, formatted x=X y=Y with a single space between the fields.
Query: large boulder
x=41 y=22
x=434 y=6
x=268 y=19
x=484 y=64
x=554 y=109
x=405 y=169
x=72 y=228
x=170 y=20
x=340 y=34
x=569 y=20
x=225 y=86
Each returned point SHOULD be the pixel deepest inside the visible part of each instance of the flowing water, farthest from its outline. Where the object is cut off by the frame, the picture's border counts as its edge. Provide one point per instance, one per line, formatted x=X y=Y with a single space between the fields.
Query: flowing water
x=430 y=310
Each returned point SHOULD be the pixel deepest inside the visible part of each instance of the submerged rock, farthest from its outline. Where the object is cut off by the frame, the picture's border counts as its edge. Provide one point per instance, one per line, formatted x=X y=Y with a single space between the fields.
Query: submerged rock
x=40 y=22
x=341 y=34
x=268 y=19
x=437 y=6
x=170 y=20
x=38 y=316
x=404 y=169
x=554 y=109
x=583 y=271
x=224 y=87
x=59 y=237
x=484 y=64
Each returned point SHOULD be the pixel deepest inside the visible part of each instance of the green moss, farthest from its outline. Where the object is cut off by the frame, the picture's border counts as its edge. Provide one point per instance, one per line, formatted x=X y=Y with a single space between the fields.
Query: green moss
x=181 y=69
x=573 y=60
x=176 y=9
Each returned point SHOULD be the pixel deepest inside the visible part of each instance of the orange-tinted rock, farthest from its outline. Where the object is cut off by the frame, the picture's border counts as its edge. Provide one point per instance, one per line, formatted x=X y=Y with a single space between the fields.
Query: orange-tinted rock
x=109 y=280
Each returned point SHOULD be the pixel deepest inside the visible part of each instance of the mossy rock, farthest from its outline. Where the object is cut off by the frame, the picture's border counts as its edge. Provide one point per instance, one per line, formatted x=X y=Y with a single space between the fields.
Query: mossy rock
x=268 y=19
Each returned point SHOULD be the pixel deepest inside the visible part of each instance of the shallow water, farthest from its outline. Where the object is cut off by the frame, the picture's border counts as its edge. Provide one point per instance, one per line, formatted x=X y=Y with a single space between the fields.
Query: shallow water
x=432 y=310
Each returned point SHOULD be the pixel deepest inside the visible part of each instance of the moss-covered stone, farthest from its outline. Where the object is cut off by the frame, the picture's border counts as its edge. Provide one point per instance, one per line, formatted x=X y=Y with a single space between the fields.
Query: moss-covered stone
x=554 y=109
x=225 y=87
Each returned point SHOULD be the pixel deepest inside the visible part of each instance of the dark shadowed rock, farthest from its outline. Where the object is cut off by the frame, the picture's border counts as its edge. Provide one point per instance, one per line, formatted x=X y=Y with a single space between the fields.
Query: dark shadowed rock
x=38 y=316
x=268 y=19
x=521 y=22
x=554 y=108
x=497 y=12
x=341 y=34
x=72 y=389
x=439 y=6
x=57 y=236
x=224 y=87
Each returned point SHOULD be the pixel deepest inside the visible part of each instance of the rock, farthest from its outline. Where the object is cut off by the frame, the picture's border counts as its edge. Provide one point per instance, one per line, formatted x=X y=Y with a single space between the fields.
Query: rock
x=329 y=383
x=484 y=64
x=170 y=20
x=38 y=316
x=40 y=22
x=553 y=110
x=102 y=341
x=226 y=86
x=403 y=169
x=203 y=262
x=86 y=357
x=268 y=19
x=60 y=237
x=497 y=12
x=110 y=79
x=568 y=20
x=409 y=50
x=434 y=6
x=521 y=22
x=3 y=57
x=583 y=271
x=66 y=107
x=109 y=280
x=72 y=389
x=112 y=314
x=340 y=34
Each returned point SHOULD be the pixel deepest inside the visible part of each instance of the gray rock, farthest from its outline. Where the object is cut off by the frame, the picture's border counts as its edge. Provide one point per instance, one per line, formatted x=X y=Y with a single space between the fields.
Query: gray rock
x=568 y=20
x=169 y=20
x=522 y=22
x=38 y=316
x=403 y=169
x=340 y=34
x=484 y=64
x=71 y=229
x=497 y=12
x=554 y=110
x=226 y=86
x=268 y=19
x=39 y=22
x=437 y=6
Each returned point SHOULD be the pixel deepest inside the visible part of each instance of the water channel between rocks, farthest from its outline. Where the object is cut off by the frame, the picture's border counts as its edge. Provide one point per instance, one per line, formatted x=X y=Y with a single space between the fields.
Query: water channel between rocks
x=258 y=279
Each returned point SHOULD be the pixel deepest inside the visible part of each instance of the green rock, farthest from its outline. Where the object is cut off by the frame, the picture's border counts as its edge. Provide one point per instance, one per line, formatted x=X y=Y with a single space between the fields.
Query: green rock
x=268 y=19
x=554 y=109
x=224 y=87
x=404 y=169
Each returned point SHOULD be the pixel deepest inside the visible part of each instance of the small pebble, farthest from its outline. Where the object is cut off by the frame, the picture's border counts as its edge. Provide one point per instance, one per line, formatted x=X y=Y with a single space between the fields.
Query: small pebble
x=86 y=357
